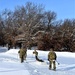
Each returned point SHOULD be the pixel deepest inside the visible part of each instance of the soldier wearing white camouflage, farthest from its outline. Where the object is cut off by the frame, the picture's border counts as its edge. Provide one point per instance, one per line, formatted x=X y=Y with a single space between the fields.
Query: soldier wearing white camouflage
x=36 y=54
x=52 y=58
x=22 y=54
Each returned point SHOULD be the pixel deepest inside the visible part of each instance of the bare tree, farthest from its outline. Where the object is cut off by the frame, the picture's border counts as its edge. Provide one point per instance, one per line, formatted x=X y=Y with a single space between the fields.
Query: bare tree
x=28 y=19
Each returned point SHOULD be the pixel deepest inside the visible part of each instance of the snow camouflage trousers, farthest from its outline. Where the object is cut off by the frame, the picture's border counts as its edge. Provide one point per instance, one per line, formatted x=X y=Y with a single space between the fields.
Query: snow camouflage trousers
x=22 y=59
x=52 y=65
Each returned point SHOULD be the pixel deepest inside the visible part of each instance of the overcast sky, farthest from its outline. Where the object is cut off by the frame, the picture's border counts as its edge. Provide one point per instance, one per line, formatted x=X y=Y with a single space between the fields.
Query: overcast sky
x=63 y=8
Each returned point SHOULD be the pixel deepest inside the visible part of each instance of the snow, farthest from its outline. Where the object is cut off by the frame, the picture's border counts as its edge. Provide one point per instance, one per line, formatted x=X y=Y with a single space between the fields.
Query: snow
x=10 y=63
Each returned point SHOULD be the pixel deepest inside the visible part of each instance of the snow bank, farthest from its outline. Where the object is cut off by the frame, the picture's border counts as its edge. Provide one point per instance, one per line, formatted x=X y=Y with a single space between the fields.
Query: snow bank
x=10 y=63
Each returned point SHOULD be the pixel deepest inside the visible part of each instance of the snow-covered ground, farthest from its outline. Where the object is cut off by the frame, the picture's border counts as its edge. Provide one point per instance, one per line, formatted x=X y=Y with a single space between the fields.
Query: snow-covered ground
x=10 y=63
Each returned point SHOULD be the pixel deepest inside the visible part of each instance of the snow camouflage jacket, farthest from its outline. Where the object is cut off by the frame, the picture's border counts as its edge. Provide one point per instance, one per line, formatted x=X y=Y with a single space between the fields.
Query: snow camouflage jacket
x=21 y=53
x=52 y=55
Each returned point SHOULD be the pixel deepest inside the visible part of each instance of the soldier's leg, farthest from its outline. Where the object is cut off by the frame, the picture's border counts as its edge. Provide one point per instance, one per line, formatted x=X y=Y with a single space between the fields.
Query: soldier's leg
x=50 y=65
x=54 y=65
x=25 y=56
x=22 y=59
x=36 y=57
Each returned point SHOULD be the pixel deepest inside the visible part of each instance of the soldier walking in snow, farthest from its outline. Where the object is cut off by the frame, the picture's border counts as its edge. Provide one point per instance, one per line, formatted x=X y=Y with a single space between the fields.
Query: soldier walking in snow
x=36 y=54
x=52 y=58
x=22 y=54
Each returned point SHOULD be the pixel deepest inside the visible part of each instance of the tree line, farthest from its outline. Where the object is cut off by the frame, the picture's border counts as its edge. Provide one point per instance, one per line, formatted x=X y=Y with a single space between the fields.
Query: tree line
x=30 y=19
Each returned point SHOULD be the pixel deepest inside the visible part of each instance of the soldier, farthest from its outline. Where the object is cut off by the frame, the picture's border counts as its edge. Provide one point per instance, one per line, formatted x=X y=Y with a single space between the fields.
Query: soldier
x=36 y=54
x=52 y=58
x=22 y=54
